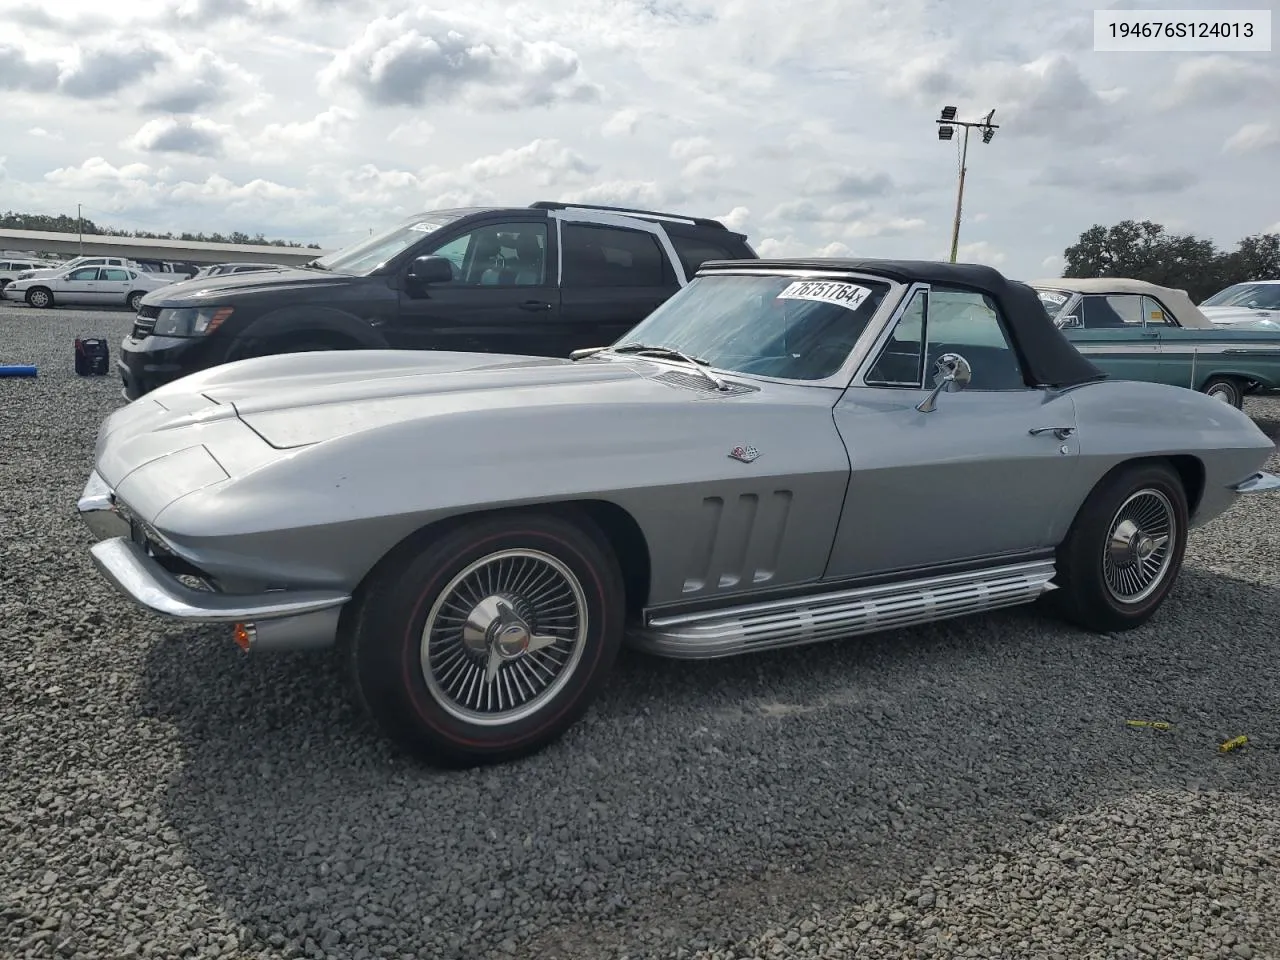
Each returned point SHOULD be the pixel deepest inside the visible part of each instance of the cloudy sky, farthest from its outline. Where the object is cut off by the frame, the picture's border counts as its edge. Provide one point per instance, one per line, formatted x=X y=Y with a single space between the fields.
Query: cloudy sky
x=811 y=129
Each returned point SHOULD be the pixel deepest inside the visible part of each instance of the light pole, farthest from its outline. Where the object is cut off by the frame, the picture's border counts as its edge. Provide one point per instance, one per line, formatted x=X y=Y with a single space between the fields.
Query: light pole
x=80 y=228
x=946 y=130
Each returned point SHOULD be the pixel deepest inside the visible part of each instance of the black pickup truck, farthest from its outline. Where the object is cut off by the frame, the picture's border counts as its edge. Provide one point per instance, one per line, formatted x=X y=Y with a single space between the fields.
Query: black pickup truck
x=542 y=280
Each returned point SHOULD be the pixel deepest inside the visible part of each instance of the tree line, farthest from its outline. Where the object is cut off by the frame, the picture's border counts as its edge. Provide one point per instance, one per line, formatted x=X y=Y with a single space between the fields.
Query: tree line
x=1147 y=251
x=62 y=223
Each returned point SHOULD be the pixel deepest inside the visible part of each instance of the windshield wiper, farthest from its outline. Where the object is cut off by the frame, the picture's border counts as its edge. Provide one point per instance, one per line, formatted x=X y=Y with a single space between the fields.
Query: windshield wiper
x=668 y=353
x=315 y=264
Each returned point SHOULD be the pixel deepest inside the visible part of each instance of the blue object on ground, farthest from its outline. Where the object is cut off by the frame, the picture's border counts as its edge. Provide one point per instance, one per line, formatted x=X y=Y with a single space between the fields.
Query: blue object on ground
x=17 y=370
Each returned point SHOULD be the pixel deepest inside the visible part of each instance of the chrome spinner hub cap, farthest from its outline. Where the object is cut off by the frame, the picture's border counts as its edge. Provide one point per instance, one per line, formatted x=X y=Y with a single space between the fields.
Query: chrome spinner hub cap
x=504 y=637
x=1139 y=548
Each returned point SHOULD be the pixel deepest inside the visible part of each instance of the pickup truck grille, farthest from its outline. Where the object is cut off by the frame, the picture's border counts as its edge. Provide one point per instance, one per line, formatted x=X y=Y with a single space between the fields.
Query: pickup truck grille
x=145 y=321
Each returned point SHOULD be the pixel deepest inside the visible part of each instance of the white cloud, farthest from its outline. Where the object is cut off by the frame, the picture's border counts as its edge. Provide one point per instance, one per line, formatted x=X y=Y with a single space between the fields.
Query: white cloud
x=197 y=136
x=1253 y=136
x=543 y=162
x=427 y=57
x=313 y=118
x=736 y=219
x=980 y=251
x=623 y=123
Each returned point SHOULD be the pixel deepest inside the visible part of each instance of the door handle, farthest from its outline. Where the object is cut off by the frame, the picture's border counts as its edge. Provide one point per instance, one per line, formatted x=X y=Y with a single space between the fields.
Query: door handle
x=1060 y=432
x=535 y=305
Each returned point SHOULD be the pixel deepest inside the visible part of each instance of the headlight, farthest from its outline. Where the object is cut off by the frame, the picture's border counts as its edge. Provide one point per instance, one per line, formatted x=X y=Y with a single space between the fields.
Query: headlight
x=189 y=321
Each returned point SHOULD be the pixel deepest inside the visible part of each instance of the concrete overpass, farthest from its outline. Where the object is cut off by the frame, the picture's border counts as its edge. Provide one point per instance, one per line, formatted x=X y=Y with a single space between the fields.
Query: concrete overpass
x=97 y=244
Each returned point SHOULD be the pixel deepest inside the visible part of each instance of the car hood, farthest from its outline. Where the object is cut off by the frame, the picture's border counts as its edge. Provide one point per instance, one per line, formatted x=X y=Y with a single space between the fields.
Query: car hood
x=209 y=289
x=296 y=400
x=1234 y=315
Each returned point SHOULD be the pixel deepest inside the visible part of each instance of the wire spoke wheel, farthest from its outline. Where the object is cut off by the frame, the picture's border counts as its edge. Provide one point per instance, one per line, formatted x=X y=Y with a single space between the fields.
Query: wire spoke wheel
x=1139 y=549
x=504 y=637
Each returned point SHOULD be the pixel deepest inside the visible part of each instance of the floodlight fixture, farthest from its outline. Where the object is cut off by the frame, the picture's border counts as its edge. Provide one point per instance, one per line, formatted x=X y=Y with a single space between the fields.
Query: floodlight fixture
x=946 y=130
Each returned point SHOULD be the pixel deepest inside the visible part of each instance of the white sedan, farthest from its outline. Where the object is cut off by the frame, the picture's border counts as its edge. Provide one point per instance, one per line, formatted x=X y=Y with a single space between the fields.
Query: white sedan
x=100 y=286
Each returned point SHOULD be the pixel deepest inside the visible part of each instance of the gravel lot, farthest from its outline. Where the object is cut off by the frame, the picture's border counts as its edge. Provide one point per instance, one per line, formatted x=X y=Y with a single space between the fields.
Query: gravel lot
x=967 y=790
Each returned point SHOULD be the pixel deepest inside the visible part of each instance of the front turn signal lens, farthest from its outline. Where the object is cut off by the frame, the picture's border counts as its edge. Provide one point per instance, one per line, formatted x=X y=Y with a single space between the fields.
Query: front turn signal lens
x=243 y=636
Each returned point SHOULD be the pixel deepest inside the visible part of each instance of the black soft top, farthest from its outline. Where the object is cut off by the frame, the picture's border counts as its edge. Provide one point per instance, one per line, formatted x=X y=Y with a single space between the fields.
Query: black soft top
x=1048 y=358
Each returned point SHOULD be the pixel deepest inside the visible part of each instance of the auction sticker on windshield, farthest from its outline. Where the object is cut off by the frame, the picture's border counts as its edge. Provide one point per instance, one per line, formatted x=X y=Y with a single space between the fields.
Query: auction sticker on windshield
x=425 y=226
x=848 y=295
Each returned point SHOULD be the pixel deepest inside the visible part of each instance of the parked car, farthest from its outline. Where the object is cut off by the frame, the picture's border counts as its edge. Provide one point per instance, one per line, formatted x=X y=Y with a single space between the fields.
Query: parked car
x=11 y=269
x=52 y=270
x=179 y=270
x=109 y=286
x=540 y=280
x=1141 y=331
x=1244 y=303
x=222 y=269
x=781 y=453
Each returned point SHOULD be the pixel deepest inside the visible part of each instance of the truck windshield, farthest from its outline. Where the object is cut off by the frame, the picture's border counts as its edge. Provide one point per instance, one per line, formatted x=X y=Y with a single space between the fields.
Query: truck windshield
x=774 y=326
x=361 y=259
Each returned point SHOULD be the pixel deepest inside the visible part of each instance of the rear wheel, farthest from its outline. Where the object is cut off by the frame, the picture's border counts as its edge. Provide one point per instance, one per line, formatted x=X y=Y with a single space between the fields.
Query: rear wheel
x=486 y=642
x=1227 y=389
x=39 y=297
x=135 y=300
x=1124 y=549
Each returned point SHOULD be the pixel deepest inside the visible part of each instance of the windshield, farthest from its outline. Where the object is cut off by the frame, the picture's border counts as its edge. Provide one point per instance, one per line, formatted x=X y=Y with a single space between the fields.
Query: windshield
x=1053 y=301
x=772 y=326
x=361 y=259
x=1254 y=296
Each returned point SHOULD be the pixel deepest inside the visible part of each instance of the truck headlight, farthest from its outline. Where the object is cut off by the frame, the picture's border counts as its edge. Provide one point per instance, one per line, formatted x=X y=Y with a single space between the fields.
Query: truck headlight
x=189 y=321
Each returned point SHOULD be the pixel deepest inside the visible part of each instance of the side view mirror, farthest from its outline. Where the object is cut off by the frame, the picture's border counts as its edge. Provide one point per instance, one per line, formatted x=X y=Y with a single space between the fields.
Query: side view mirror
x=1070 y=320
x=431 y=269
x=951 y=373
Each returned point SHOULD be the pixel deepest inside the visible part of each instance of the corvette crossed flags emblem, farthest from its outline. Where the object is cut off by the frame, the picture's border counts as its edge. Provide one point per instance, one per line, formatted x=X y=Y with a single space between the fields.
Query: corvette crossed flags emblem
x=745 y=454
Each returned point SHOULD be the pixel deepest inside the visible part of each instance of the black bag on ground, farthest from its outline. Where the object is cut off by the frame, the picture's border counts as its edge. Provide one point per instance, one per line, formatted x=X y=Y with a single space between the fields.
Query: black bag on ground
x=92 y=356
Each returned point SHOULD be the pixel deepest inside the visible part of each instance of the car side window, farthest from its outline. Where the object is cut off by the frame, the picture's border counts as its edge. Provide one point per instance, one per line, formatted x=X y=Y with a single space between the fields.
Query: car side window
x=969 y=323
x=498 y=254
x=1111 y=312
x=596 y=256
x=115 y=273
x=1155 y=314
x=901 y=360
x=84 y=273
x=694 y=253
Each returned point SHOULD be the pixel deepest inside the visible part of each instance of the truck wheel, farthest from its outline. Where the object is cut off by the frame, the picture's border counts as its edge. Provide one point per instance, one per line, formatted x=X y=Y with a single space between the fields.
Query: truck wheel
x=1124 y=549
x=487 y=641
x=1227 y=389
x=39 y=297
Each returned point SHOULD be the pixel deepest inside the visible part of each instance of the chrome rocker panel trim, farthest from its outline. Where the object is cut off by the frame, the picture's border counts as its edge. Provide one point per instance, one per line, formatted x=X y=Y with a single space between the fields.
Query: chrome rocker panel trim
x=1260 y=482
x=140 y=578
x=847 y=613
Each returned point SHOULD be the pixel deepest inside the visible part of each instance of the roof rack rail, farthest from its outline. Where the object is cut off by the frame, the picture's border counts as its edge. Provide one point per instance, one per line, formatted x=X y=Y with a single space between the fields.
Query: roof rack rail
x=633 y=211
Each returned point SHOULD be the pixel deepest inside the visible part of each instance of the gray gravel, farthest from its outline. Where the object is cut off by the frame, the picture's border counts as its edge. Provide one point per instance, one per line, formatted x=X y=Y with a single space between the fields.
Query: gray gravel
x=163 y=795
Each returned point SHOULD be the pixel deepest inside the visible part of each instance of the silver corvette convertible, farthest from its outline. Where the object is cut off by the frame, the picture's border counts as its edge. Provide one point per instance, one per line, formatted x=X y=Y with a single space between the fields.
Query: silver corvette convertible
x=784 y=452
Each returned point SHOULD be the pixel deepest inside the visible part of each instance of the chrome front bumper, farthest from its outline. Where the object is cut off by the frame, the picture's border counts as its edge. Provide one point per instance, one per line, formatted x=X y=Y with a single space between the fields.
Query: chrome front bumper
x=277 y=619
x=1260 y=482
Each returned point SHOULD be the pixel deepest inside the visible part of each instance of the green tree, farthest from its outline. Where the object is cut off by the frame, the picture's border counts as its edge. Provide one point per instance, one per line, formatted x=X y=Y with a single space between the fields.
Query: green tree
x=1147 y=251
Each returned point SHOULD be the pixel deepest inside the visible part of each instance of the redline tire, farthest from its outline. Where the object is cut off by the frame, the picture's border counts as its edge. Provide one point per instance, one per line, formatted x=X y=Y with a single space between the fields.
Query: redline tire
x=404 y=691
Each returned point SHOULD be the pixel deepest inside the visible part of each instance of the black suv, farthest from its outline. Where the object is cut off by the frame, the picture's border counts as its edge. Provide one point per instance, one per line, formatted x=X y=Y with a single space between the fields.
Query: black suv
x=542 y=280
